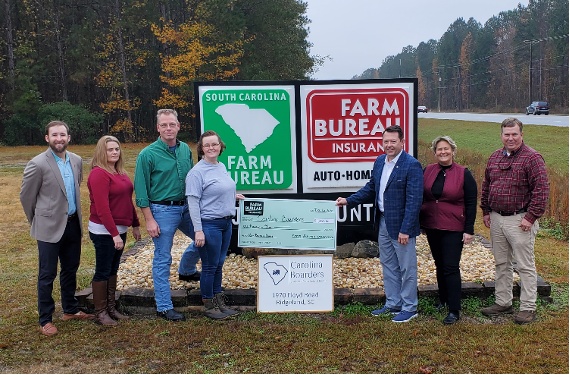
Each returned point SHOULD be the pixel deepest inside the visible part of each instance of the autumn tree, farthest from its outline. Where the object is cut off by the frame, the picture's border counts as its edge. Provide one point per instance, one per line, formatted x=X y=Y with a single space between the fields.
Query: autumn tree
x=195 y=55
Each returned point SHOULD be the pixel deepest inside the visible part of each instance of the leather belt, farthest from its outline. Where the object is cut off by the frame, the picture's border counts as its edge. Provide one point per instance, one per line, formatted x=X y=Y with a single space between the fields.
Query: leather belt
x=73 y=216
x=170 y=203
x=511 y=213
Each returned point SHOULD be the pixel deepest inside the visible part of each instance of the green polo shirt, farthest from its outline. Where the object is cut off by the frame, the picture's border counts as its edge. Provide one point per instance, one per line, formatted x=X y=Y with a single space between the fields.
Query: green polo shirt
x=160 y=174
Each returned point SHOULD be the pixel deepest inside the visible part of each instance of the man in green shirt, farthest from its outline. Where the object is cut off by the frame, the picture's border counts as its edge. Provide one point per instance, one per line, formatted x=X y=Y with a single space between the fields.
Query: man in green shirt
x=160 y=185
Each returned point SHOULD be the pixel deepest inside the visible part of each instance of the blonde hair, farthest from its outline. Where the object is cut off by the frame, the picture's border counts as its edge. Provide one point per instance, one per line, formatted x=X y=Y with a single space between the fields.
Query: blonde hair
x=100 y=157
x=443 y=138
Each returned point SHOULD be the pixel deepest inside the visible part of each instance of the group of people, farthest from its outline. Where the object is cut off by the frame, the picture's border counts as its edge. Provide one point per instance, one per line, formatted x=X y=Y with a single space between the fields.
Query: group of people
x=172 y=194
x=442 y=199
x=200 y=200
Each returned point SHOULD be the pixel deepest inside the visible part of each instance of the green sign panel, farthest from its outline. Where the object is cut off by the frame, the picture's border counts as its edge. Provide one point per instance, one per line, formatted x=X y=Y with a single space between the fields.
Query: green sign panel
x=257 y=125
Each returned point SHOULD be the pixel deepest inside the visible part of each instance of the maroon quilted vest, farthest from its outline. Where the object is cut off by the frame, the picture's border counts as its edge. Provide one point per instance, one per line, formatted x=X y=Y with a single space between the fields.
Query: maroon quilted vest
x=447 y=212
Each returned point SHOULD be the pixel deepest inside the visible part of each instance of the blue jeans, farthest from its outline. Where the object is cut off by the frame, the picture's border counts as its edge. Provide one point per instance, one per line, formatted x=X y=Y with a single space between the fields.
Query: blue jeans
x=400 y=270
x=107 y=258
x=169 y=219
x=218 y=233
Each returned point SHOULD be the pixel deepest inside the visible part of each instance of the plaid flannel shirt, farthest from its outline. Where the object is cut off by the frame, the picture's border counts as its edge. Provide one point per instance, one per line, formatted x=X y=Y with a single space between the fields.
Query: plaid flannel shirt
x=515 y=182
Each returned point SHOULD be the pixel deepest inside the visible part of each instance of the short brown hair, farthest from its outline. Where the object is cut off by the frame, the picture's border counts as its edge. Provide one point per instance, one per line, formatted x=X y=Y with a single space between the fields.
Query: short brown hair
x=395 y=129
x=510 y=122
x=209 y=133
x=100 y=157
x=56 y=123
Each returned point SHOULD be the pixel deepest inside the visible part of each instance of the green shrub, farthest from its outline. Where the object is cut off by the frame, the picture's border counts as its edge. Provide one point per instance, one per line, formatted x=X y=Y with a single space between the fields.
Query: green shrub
x=84 y=127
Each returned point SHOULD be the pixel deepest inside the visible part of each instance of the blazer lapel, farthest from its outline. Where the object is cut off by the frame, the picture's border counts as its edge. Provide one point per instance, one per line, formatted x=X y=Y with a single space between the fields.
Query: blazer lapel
x=55 y=169
x=381 y=163
x=396 y=167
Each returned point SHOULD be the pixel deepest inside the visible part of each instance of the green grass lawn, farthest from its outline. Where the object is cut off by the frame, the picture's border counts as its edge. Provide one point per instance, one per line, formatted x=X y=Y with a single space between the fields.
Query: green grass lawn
x=485 y=137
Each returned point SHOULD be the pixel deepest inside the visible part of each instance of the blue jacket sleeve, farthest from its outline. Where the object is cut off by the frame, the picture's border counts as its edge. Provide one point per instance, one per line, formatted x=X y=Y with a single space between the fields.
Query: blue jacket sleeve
x=414 y=199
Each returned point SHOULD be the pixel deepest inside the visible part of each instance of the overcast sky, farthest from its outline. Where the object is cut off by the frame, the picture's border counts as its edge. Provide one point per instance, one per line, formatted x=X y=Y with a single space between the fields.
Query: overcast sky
x=359 y=34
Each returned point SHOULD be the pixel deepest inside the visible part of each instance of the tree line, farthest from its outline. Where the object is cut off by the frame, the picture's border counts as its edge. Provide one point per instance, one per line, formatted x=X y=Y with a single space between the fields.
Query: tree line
x=105 y=66
x=517 y=57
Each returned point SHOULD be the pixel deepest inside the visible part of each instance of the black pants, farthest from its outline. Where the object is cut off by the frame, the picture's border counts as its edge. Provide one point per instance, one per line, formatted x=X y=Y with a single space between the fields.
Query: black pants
x=68 y=251
x=446 y=247
x=107 y=258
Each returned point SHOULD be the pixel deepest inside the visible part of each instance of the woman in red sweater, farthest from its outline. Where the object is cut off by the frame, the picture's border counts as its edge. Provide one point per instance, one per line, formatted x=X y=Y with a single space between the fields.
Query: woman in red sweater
x=112 y=213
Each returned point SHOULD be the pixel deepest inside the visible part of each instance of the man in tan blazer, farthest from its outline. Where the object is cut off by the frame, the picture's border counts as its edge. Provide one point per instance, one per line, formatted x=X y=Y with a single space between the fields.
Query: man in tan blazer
x=52 y=203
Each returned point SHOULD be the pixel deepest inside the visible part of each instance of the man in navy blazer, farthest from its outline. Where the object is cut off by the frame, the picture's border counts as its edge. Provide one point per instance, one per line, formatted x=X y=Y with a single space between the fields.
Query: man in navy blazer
x=396 y=188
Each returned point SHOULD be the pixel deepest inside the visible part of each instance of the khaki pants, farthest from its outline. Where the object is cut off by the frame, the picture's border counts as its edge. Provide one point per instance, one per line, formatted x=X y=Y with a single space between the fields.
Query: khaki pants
x=510 y=240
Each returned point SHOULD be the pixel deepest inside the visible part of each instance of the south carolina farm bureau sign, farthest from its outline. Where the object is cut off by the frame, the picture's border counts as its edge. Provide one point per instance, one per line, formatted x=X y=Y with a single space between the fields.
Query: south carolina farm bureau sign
x=339 y=125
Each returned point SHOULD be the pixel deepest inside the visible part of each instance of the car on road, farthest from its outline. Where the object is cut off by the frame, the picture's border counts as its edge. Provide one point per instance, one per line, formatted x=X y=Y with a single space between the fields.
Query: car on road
x=422 y=108
x=536 y=108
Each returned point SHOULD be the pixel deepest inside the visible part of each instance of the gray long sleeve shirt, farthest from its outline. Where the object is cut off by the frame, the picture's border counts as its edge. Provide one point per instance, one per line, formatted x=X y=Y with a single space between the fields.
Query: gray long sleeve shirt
x=211 y=193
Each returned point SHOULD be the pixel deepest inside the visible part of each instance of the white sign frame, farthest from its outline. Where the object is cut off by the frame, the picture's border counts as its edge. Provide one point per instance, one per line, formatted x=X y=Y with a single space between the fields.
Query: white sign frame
x=336 y=172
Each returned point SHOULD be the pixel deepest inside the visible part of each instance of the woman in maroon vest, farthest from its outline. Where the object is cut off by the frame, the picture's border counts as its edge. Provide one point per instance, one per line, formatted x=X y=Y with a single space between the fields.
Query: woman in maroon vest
x=448 y=215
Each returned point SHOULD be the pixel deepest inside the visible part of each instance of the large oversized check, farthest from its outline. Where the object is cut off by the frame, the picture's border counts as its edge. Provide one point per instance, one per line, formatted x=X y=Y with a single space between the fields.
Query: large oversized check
x=287 y=224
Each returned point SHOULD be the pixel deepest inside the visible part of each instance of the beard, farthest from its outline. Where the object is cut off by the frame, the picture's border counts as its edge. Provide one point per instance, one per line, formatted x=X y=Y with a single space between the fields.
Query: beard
x=58 y=147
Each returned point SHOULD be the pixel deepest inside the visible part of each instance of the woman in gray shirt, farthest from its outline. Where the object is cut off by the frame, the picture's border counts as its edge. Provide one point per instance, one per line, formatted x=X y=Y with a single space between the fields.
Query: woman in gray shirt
x=211 y=197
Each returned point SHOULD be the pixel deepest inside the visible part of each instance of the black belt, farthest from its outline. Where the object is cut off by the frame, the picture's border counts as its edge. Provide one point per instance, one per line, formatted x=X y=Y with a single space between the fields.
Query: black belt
x=228 y=217
x=170 y=203
x=73 y=216
x=511 y=213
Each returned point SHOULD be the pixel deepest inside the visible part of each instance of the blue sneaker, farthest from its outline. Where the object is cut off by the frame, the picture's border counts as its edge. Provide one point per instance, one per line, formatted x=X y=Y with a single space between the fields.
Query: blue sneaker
x=385 y=310
x=404 y=316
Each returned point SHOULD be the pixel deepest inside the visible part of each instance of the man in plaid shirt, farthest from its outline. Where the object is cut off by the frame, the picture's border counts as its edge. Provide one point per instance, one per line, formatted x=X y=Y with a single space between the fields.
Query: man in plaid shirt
x=513 y=197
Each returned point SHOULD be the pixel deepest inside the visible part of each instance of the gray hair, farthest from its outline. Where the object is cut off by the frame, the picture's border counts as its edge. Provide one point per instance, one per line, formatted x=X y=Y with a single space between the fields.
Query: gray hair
x=511 y=122
x=166 y=111
x=443 y=138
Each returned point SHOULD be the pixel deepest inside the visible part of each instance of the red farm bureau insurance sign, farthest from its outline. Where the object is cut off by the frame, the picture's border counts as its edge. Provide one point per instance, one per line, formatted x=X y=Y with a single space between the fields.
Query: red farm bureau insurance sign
x=347 y=125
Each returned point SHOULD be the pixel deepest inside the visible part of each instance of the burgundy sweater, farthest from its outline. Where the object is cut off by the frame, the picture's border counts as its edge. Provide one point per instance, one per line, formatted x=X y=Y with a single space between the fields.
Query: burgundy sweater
x=111 y=200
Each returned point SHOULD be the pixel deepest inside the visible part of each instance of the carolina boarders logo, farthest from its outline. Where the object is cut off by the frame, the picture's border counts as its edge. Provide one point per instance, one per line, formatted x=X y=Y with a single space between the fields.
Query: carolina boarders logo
x=277 y=272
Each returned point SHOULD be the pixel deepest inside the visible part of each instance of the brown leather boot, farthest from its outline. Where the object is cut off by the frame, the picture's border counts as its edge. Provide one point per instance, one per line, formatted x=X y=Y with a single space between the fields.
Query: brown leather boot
x=100 y=302
x=111 y=289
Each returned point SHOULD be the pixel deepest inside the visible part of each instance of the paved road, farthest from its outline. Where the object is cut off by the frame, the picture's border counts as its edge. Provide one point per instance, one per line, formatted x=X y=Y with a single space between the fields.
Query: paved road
x=550 y=120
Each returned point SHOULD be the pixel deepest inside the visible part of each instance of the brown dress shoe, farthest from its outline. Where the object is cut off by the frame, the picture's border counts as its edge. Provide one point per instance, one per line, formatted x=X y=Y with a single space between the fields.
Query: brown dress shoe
x=495 y=309
x=525 y=317
x=80 y=315
x=48 y=329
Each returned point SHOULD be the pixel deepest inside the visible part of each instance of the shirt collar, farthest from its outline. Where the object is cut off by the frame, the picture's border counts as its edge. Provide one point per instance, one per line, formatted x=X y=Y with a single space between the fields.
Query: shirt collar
x=164 y=145
x=514 y=152
x=395 y=160
x=58 y=159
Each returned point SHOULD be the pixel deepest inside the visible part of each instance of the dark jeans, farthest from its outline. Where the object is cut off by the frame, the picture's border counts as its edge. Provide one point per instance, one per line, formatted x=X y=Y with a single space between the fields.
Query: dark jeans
x=218 y=233
x=446 y=247
x=68 y=251
x=107 y=258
